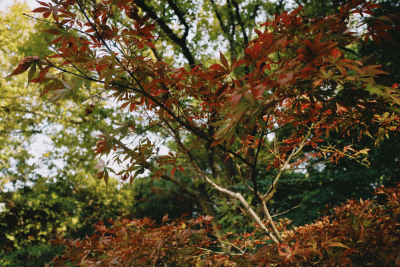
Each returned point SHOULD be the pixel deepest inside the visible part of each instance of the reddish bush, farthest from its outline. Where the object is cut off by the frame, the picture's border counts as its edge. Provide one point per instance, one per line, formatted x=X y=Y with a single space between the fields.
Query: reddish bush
x=142 y=243
x=358 y=233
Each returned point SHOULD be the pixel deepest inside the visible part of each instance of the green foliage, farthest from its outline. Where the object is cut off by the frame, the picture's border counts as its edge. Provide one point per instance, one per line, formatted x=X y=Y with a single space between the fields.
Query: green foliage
x=320 y=8
x=158 y=197
x=31 y=256
x=67 y=207
x=331 y=184
x=48 y=191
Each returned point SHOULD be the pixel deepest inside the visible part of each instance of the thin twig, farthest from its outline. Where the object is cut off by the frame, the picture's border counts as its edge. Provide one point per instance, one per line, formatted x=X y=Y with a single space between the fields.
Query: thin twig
x=279 y=214
x=58 y=23
x=230 y=244
x=241 y=177
x=84 y=74
x=285 y=165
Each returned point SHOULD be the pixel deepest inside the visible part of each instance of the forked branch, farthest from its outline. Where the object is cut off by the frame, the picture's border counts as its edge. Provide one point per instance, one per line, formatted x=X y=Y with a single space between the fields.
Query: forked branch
x=217 y=187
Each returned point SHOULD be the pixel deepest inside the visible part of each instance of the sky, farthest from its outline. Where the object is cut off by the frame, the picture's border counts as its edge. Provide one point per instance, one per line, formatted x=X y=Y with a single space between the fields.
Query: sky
x=32 y=3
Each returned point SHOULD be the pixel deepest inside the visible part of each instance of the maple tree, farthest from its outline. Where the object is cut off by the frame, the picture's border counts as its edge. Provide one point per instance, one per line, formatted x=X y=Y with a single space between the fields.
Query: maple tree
x=300 y=82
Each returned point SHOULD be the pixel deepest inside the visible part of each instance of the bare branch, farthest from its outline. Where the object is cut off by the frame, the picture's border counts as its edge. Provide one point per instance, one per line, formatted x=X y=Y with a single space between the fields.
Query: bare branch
x=225 y=29
x=168 y=31
x=266 y=212
x=285 y=165
x=243 y=180
x=180 y=16
x=279 y=214
x=219 y=188
x=239 y=18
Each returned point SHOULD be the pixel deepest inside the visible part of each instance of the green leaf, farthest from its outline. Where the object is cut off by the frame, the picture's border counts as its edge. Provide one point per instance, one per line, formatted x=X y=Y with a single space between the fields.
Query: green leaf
x=31 y=72
x=221 y=132
x=88 y=84
x=219 y=123
x=78 y=84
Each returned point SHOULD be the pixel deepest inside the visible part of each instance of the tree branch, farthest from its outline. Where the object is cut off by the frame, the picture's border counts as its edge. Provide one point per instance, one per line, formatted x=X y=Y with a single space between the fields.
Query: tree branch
x=279 y=214
x=283 y=168
x=239 y=18
x=219 y=188
x=225 y=30
x=168 y=31
x=243 y=180
x=195 y=131
x=266 y=212
x=181 y=18
x=221 y=22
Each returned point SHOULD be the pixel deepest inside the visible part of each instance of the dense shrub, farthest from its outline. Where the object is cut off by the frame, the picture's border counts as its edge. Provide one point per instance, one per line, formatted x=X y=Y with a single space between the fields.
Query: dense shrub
x=357 y=233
